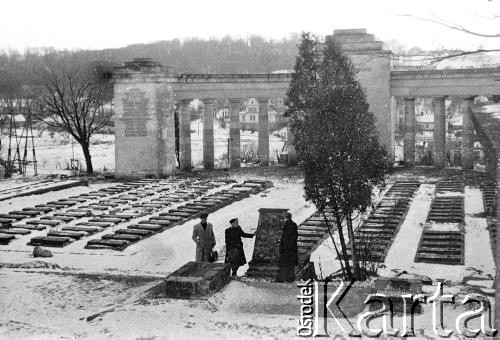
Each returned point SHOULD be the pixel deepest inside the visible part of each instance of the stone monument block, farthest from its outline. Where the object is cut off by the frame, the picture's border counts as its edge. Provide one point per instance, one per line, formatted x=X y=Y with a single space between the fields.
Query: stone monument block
x=197 y=279
x=265 y=257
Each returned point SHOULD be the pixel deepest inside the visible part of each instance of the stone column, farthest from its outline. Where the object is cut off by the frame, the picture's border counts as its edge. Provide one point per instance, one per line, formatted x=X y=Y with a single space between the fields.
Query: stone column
x=184 y=136
x=467 y=134
x=409 y=131
x=439 y=132
x=208 y=133
x=165 y=112
x=234 y=133
x=263 y=148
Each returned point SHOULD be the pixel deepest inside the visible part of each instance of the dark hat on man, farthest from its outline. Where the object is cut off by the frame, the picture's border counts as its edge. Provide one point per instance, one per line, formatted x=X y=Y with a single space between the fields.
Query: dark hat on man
x=203 y=215
x=232 y=220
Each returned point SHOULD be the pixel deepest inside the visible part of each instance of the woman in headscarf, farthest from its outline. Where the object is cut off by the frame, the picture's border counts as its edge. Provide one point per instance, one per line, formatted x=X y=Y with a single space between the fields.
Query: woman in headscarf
x=235 y=255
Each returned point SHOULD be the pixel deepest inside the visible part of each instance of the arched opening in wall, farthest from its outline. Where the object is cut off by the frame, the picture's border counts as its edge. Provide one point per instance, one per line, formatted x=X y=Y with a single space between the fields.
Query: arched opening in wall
x=221 y=134
x=424 y=132
x=480 y=157
x=196 y=130
x=249 y=131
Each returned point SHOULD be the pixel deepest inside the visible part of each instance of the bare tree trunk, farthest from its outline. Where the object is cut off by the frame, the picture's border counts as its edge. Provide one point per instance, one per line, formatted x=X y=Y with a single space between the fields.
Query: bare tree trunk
x=354 y=254
x=497 y=256
x=334 y=244
x=88 y=158
x=344 y=249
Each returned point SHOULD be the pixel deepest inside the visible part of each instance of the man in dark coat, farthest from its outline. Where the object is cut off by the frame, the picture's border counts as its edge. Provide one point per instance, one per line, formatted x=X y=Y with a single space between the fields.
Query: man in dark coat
x=203 y=236
x=235 y=255
x=289 y=255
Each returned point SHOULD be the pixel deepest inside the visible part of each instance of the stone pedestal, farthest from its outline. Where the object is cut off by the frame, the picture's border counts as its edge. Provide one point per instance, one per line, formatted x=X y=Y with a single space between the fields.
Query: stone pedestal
x=467 y=135
x=234 y=133
x=208 y=133
x=265 y=257
x=197 y=279
x=439 y=132
x=409 y=131
x=184 y=136
x=263 y=147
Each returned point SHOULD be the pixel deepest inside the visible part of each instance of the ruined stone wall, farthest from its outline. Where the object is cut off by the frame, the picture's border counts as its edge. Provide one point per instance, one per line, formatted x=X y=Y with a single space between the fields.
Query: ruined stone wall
x=144 y=129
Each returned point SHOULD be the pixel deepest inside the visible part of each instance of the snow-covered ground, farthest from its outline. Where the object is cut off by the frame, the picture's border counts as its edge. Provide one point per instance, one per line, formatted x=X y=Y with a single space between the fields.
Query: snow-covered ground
x=40 y=302
x=54 y=151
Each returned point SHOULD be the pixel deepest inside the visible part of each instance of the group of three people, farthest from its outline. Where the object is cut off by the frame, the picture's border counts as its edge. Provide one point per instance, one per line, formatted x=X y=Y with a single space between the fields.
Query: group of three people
x=203 y=236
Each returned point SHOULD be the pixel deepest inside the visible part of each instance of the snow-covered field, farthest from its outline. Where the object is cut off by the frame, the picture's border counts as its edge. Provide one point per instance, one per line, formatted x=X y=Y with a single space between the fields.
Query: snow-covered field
x=54 y=151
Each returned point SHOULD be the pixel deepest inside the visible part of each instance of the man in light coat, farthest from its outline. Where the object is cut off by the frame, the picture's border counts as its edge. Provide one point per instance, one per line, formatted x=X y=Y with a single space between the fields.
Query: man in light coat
x=203 y=236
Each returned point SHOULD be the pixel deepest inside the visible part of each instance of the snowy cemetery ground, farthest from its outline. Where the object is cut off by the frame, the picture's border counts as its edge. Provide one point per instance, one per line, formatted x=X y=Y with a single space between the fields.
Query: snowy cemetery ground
x=52 y=298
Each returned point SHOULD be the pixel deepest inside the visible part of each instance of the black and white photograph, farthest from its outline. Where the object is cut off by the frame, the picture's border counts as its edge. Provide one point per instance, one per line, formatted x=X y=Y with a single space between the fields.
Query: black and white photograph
x=250 y=169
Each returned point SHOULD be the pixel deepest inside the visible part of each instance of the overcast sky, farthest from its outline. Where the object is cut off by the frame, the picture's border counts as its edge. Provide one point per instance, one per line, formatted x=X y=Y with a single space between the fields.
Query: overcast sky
x=97 y=24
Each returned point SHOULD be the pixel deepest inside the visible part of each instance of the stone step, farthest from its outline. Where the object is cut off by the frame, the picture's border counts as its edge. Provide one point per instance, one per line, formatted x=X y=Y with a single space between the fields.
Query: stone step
x=445 y=250
x=441 y=259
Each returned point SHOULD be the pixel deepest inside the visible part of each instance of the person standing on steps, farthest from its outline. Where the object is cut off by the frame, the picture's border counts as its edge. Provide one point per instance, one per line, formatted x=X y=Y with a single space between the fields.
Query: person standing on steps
x=235 y=254
x=289 y=255
x=203 y=236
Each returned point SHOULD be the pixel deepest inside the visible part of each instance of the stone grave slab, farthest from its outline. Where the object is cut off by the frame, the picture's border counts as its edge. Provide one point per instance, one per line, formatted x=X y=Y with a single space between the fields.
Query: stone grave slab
x=51 y=223
x=138 y=232
x=95 y=224
x=16 y=231
x=164 y=223
x=6 y=238
x=76 y=235
x=88 y=230
x=197 y=279
x=4 y=220
x=67 y=202
x=124 y=237
x=61 y=216
x=78 y=199
x=32 y=226
x=107 y=244
x=13 y=216
x=152 y=227
x=106 y=219
x=50 y=241
x=98 y=207
x=28 y=213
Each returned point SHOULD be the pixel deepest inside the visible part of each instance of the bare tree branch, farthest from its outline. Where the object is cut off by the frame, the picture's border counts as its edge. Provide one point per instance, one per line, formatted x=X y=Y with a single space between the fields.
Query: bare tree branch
x=452 y=26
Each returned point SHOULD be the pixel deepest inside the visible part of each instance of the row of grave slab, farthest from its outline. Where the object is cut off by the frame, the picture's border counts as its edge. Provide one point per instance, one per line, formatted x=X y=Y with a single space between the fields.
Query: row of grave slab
x=132 y=194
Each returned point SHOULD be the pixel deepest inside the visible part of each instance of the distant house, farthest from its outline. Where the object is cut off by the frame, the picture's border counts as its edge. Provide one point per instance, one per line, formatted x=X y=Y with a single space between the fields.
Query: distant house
x=249 y=116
